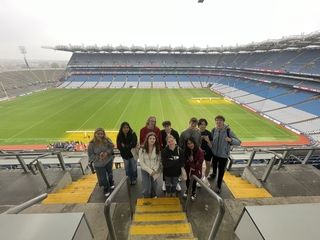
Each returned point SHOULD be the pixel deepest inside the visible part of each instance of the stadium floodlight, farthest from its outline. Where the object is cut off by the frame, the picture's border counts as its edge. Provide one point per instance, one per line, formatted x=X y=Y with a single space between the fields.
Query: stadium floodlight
x=24 y=52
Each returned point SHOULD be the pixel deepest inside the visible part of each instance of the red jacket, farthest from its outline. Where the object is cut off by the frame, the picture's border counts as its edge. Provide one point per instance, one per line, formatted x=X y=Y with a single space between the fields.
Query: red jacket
x=195 y=165
x=144 y=131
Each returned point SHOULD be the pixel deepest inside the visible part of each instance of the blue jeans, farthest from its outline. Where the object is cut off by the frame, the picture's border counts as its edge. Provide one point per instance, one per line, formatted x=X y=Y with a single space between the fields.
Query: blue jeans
x=149 y=186
x=171 y=184
x=105 y=176
x=130 y=166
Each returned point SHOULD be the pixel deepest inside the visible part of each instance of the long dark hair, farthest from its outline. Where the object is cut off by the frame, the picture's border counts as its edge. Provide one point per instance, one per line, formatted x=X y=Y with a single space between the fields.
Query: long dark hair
x=156 y=144
x=187 y=151
x=121 y=134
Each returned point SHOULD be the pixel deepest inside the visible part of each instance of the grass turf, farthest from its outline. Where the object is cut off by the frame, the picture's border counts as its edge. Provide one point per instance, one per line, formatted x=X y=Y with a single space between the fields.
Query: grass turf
x=44 y=117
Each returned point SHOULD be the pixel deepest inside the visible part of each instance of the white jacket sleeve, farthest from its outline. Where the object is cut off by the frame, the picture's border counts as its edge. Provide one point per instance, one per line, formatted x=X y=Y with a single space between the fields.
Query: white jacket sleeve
x=143 y=164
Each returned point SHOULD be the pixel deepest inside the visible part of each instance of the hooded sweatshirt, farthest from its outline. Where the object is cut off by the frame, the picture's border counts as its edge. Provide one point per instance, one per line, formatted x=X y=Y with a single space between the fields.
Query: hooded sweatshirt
x=220 y=147
x=94 y=151
x=189 y=132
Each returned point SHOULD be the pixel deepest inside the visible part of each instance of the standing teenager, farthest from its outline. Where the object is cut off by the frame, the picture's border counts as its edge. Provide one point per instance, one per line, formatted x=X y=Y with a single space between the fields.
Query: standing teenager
x=127 y=143
x=149 y=157
x=191 y=131
x=172 y=158
x=223 y=138
x=165 y=132
x=100 y=153
x=206 y=145
x=150 y=127
x=193 y=164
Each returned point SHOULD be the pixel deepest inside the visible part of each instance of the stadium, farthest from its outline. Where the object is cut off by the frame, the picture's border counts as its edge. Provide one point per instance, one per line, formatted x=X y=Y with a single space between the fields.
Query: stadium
x=268 y=92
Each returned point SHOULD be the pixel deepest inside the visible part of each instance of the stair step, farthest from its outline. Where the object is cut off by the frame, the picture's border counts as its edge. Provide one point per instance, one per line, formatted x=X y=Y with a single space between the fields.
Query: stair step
x=157 y=201
x=159 y=208
x=162 y=237
x=159 y=217
x=161 y=229
x=56 y=198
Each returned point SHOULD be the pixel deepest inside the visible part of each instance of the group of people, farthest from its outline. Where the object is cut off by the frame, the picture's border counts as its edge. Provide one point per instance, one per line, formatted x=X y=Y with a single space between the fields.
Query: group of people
x=164 y=154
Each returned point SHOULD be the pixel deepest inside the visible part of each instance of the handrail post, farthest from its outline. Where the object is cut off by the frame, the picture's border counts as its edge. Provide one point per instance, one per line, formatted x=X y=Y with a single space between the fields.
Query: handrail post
x=22 y=163
x=284 y=157
x=62 y=163
x=251 y=157
x=112 y=232
x=218 y=219
x=107 y=207
x=130 y=200
x=268 y=170
x=307 y=157
x=41 y=170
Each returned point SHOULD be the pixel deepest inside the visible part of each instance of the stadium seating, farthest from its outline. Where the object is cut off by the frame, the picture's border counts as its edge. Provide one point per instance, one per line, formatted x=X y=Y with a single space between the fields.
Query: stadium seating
x=14 y=83
x=306 y=61
x=310 y=126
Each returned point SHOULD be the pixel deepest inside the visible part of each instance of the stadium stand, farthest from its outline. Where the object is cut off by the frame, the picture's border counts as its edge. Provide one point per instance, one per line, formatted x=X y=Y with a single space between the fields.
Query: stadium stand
x=14 y=83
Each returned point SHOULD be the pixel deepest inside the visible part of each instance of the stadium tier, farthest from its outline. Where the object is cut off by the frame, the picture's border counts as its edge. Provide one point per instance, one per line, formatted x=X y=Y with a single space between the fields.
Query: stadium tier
x=302 y=61
x=14 y=83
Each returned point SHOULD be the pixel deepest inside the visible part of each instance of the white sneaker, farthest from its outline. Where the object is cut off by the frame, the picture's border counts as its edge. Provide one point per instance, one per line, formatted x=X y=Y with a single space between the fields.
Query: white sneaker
x=112 y=187
x=193 y=197
x=178 y=187
x=198 y=185
x=164 y=187
x=185 y=194
x=107 y=194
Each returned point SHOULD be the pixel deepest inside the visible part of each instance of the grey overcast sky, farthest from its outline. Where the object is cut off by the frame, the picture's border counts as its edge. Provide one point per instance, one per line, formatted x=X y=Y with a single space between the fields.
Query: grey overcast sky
x=34 y=23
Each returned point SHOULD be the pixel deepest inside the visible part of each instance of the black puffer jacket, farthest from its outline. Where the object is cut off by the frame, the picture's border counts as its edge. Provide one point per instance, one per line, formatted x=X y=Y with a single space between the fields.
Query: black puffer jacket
x=129 y=141
x=172 y=161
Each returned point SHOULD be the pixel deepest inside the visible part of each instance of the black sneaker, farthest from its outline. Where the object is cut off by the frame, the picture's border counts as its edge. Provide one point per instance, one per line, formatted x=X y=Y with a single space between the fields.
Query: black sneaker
x=212 y=176
x=217 y=190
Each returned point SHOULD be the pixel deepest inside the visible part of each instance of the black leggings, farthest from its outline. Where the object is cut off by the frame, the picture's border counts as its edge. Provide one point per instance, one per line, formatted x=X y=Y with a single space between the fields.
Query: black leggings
x=221 y=164
x=194 y=185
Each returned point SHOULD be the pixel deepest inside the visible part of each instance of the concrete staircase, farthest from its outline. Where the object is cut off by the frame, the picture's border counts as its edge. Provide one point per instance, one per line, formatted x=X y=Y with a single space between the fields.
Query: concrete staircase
x=77 y=192
x=160 y=218
x=241 y=188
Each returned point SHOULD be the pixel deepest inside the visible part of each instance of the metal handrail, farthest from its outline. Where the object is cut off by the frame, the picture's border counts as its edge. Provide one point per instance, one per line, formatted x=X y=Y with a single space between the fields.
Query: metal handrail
x=107 y=207
x=218 y=220
x=25 y=205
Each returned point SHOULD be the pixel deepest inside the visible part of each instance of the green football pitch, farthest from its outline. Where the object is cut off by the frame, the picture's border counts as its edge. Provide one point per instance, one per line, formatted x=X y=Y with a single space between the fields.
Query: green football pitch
x=44 y=117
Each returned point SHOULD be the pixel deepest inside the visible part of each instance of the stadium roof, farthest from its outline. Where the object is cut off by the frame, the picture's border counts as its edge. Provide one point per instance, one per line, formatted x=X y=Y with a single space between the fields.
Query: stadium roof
x=311 y=40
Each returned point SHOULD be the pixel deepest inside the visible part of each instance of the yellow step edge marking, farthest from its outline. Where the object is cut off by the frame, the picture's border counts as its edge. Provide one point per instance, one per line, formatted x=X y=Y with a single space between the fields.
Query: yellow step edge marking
x=160 y=229
x=157 y=201
x=241 y=188
x=76 y=192
x=159 y=208
x=159 y=217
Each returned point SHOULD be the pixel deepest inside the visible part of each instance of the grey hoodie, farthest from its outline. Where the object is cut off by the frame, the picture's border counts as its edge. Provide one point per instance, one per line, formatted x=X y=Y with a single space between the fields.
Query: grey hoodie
x=94 y=151
x=189 y=132
x=220 y=147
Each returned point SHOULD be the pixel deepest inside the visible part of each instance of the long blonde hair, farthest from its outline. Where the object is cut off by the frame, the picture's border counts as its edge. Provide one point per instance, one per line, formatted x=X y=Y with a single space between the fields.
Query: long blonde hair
x=104 y=139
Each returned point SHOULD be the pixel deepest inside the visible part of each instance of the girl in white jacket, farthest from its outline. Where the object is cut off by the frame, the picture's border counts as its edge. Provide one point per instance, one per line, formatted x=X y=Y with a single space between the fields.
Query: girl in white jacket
x=150 y=162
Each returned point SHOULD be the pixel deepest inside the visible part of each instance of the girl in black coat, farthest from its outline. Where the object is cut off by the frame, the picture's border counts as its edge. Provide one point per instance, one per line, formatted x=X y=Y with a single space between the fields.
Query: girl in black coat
x=172 y=158
x=126 y=143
